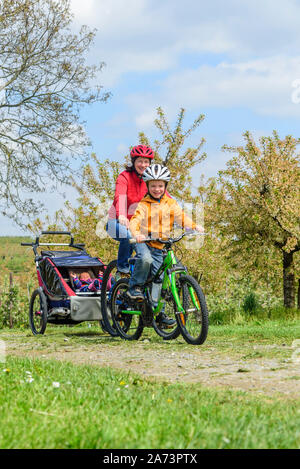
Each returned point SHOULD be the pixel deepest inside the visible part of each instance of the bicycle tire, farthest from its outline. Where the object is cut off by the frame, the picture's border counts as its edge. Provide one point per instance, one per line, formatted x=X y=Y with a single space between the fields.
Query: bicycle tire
x=38 y=312
x=128 y=327
x=170 y=308
x=193 y=322
x=106 y=322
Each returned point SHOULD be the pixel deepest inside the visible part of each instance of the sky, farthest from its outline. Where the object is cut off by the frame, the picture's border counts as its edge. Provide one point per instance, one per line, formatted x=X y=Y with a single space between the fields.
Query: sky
x=238 y=63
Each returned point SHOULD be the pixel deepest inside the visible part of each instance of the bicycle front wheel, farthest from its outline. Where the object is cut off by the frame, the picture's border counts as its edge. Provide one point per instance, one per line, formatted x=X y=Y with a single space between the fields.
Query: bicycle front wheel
x=172 y=331
x=193 y=322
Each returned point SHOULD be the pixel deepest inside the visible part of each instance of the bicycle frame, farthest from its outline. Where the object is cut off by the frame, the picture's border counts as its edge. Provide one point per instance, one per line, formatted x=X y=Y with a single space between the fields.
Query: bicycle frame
x=180 y=295
x=170 y=269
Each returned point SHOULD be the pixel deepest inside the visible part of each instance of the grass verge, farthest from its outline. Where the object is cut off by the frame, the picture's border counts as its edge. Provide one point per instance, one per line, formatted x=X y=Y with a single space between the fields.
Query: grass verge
x=50 y=404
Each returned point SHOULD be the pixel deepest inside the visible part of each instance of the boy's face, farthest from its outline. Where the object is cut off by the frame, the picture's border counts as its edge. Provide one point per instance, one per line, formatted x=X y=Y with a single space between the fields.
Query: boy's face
x=156 y=188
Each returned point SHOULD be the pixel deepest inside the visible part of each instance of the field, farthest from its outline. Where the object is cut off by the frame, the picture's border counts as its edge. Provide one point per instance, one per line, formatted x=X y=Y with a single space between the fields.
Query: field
x=77 y=387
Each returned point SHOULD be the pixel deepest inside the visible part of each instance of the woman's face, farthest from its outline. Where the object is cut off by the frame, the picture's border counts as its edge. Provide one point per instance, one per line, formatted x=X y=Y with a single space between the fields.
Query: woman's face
x=141 y=164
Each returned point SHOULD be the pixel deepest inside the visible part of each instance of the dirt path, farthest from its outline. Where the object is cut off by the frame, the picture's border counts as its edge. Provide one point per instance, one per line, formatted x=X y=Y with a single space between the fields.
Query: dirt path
x=258 y=371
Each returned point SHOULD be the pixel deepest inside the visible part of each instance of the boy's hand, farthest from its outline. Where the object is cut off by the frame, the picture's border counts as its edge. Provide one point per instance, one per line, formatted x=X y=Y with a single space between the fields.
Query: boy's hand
x=140 y=238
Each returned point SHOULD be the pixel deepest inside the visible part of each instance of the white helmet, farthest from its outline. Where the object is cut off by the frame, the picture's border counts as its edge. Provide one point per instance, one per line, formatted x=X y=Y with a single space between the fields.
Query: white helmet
x=156 y=172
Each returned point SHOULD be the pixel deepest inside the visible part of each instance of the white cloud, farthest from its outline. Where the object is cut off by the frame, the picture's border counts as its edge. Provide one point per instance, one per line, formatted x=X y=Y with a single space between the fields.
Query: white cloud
x=258 y=43
x=83 y=10
x=267 y=86
x=239 y=29
x=145 y=120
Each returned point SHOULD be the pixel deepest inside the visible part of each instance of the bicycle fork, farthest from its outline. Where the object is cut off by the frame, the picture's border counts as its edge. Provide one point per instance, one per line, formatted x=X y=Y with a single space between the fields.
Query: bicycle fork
x=171 y=279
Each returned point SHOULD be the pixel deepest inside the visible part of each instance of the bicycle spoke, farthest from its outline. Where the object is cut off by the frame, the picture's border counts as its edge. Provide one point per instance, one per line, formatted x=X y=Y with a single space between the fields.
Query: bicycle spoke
x=168 y=332
x=127 y=320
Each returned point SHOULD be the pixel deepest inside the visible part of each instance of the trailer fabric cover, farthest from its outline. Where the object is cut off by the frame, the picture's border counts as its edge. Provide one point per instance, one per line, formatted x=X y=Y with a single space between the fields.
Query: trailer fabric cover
x=64 y=253
x=51 y=279
x=78 y=261
x=85 y=308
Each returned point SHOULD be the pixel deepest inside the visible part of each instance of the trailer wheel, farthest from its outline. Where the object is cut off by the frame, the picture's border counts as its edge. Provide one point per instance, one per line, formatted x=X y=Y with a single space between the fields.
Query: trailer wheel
x=38 y=312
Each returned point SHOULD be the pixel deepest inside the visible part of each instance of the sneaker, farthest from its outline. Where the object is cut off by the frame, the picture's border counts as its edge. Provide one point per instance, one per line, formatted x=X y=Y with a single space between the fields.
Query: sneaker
x=135 y=293
x=120 y=275
x=165 y=320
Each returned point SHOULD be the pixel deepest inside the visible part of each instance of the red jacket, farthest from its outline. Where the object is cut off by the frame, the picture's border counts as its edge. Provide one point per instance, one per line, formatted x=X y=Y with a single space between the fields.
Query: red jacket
x=130 y=189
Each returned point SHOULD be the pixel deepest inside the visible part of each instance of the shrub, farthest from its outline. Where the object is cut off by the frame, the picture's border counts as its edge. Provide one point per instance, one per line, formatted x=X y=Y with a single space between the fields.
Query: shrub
x=13 y=305
x=251 y=304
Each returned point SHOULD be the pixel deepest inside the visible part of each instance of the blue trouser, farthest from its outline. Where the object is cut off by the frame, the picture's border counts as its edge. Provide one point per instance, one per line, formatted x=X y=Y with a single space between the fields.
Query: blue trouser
x=148 y=260
x=122 y=234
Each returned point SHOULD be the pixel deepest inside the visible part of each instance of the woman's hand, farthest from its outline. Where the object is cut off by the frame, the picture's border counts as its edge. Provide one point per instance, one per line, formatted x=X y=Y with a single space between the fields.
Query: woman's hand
x=123 y=221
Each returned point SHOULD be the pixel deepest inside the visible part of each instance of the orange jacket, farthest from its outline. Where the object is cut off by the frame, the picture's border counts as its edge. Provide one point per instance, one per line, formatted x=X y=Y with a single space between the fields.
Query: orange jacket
x=156 y=219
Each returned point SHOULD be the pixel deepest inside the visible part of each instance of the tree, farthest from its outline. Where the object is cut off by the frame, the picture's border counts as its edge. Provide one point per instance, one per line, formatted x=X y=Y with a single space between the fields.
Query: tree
x=96 y=185
x=44 y=81
x=259 y=201
x=170 y=150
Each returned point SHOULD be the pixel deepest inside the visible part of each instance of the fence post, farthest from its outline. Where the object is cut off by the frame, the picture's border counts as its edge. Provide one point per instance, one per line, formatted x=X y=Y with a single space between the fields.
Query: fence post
x=10 y=304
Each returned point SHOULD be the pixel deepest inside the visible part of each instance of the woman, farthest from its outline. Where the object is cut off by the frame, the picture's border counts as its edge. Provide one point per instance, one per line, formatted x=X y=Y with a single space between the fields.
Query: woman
x=130 y=189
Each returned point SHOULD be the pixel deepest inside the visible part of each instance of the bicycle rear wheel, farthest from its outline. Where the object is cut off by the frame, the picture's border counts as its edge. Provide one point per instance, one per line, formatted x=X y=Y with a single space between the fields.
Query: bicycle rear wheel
x=193 y=322
x=106 y=288
x=128 y=326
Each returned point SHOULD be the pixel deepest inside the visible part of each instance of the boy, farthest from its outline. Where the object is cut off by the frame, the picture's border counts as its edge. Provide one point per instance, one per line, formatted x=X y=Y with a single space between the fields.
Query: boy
x=154 y=217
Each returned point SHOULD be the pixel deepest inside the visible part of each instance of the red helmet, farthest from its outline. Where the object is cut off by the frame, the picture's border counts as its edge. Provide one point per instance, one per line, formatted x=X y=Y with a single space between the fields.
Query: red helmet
x=143 y=151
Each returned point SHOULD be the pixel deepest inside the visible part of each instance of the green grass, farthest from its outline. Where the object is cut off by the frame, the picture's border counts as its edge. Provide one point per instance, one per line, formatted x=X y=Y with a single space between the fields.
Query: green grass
x=268 y=331
x=100 y=408
x=14 y=257
x=237 y=341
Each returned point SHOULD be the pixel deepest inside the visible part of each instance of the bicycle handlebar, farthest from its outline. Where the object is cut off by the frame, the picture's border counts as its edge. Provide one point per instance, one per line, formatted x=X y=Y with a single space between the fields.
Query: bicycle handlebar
x=171 y=240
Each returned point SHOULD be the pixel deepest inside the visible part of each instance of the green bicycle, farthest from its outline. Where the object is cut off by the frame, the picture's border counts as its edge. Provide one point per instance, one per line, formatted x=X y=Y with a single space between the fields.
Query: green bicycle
x=181 y=298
